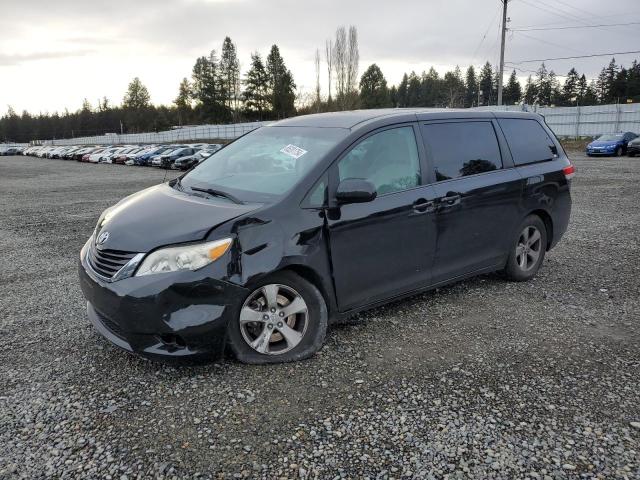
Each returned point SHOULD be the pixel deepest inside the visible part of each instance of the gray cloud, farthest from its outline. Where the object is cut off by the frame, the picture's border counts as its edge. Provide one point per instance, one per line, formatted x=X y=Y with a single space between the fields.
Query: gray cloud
x=17 y=59
x=402 y=35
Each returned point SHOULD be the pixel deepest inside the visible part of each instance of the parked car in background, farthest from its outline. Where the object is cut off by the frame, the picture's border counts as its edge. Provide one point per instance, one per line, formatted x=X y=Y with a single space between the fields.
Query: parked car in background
x=145 y=158
x=633 y=147
x=166 y=161
x=11 y=150
x=155 y=160
x=189 y=161
x=610 y=144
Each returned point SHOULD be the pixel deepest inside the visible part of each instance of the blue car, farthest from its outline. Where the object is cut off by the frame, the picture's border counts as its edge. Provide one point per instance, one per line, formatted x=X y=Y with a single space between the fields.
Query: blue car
x=611 y=144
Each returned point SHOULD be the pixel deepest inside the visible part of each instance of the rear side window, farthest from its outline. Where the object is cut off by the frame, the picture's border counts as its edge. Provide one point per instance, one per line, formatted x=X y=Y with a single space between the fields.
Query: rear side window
x=528 y=141
x=459 y=149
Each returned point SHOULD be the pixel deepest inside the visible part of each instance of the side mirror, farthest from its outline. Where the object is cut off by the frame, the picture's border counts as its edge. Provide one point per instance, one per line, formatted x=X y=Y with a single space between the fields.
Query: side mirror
x=355 y=190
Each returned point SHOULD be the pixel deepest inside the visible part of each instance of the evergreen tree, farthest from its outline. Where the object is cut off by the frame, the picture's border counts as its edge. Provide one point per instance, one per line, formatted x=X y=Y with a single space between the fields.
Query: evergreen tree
x=403 y=90
x=486 y=85
x=611 y=73
x=571 y=88
x=183 y=101
x=281 y=85
x=137 y=95
x=393 y=96
x=471 y=88
x=530 y=92
x=582 y=89
x=619 y=88
x=230 y=73
x=373 y=88
x=454 y=88
x=548 y=86
x=208 y=90
x=590 y=96
x=413 y=91
x=256 y=93
x=556 y=93
x=512 y=92
x=633 y=81
x=601 y=87
x=136 y=104
x=432 y=91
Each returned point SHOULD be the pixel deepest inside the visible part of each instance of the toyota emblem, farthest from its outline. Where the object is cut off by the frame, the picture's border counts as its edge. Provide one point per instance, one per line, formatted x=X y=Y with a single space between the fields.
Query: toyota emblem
x=103 y=237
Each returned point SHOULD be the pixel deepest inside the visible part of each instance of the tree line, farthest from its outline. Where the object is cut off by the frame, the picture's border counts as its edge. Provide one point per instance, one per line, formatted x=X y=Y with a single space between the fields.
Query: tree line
x=614 y=84
x=216 y=92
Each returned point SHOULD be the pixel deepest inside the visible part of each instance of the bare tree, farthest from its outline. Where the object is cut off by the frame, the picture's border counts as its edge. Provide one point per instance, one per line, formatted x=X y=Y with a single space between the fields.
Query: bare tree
x=340 y=64
x=317 y=65
x=346 y=58
x=328 y=53
x=353 y=59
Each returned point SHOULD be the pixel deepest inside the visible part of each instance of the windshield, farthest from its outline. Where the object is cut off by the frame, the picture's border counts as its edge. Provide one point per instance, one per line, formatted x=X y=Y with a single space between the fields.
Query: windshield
x=609 y=137
x=266 y=163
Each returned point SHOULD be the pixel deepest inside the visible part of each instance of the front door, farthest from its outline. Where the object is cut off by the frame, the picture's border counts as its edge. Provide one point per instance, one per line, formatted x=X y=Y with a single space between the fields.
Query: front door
x=478 y=198
x=382 y=248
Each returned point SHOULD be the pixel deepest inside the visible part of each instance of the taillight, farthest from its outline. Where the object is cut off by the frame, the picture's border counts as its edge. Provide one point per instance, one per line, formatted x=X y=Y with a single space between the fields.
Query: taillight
x=569 y=172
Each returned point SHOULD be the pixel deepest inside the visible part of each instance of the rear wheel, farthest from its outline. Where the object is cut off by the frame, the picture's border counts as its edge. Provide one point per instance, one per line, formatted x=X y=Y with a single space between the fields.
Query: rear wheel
x=619 y=152
x=527 y=253
x=283 y=319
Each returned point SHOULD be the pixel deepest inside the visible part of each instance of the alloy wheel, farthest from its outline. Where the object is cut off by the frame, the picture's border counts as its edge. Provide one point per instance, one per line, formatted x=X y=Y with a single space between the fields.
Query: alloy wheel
x=273 y=319
x=529 y=248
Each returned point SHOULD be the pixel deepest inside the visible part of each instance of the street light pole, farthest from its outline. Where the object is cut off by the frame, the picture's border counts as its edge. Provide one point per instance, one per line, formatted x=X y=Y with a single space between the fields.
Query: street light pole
x=504 y=31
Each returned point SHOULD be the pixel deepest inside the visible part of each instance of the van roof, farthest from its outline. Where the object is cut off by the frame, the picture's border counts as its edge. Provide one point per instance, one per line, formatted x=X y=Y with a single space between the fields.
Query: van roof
x=352 y=118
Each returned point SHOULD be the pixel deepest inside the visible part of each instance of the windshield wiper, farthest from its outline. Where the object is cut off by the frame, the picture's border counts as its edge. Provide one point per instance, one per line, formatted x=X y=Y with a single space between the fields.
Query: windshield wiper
x=218 y=193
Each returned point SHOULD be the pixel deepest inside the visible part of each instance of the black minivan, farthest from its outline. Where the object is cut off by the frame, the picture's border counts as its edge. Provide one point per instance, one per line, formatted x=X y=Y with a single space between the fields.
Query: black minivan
x=314 y=218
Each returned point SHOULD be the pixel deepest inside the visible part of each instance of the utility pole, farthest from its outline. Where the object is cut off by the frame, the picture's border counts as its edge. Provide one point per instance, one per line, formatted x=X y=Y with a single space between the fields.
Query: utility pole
x=504 y=31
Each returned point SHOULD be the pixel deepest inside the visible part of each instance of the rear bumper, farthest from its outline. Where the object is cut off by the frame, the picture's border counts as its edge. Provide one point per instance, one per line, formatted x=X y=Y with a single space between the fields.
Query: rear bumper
x=167 y=316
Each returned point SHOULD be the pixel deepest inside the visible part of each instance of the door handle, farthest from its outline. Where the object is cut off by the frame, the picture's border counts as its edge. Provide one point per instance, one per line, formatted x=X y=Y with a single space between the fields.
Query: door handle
x=423 y=206
x=450 y=200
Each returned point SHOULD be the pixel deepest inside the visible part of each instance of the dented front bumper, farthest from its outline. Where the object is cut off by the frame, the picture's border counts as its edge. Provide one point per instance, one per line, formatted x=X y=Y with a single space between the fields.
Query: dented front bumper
x=168 y=315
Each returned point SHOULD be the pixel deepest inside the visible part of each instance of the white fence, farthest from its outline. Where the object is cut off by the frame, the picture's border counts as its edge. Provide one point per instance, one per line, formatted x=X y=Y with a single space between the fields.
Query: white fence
x=585 y=121
x=564 y=121
x=184 y=134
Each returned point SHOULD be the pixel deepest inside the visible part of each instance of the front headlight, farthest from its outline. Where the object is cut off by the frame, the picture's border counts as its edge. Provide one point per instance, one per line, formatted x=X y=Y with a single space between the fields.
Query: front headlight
x=188 y=257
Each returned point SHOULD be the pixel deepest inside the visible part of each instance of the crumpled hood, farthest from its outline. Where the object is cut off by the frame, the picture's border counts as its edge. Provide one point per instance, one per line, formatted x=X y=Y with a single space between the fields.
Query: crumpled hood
x=161 y=215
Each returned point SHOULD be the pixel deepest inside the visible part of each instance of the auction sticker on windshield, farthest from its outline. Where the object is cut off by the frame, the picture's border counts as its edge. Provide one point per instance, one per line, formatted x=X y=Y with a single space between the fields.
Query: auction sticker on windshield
x=293 y=151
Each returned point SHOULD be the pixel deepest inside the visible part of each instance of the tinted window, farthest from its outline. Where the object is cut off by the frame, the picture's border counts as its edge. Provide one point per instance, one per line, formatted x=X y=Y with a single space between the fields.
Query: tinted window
x=458 y=149
x=388 y=159
x=527 y=140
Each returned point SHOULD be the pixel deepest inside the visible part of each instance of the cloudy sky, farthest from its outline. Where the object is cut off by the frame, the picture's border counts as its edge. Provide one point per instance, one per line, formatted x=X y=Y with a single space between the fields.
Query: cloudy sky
x=55 y=53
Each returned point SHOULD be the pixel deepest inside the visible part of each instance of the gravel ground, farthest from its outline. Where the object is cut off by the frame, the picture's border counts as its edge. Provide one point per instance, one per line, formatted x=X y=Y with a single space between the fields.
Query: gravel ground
x=482 y=379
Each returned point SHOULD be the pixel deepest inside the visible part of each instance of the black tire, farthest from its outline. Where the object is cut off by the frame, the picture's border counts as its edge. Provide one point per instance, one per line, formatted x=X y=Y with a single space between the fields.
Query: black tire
x=619 y=152
x=515 y=270
x=314 y=332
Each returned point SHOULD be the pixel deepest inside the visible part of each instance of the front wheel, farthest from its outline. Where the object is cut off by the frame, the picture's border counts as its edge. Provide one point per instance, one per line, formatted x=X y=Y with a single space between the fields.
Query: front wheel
x=283 y=319
x=527 y=253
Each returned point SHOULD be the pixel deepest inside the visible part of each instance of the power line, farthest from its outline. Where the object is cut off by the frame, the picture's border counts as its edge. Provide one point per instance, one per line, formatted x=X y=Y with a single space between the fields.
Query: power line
x=556 y=11
x=578 y=56
x=548 y=42
x=484 y=36
x=546 y=24
x=573 y=26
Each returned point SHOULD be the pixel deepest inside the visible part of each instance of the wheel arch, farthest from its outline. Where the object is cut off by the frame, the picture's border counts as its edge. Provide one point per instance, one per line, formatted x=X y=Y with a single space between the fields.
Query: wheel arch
x=310 y=275
x=548 y=224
